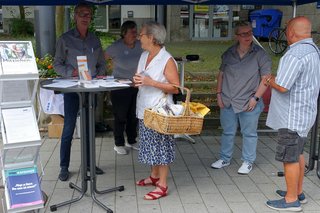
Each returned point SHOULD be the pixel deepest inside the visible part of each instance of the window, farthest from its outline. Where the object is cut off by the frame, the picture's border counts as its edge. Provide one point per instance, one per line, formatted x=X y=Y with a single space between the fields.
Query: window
x=184 y=16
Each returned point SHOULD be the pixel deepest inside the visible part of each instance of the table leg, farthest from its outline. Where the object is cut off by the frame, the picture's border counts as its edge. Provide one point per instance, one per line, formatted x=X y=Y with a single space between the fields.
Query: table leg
x=83 y=171
x=87 y=103
x=93 y=183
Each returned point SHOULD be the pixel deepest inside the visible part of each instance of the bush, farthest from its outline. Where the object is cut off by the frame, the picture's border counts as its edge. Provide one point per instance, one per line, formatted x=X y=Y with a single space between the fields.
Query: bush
x=21 y=27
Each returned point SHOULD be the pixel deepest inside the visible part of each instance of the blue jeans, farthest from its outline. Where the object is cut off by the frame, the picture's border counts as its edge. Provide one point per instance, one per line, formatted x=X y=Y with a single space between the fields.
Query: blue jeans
x=248 y=126
x=71 y=109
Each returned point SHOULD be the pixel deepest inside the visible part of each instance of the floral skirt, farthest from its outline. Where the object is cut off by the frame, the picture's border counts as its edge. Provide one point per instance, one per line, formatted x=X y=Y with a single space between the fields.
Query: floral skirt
x=155 y=148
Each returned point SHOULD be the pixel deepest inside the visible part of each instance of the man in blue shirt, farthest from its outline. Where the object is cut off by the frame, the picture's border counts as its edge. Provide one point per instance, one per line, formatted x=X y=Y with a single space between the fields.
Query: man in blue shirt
x=293 y=109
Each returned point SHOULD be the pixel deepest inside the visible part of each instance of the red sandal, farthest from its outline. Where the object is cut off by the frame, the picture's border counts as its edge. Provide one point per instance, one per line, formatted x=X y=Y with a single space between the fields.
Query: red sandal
x=154 y=195
x=143 y=183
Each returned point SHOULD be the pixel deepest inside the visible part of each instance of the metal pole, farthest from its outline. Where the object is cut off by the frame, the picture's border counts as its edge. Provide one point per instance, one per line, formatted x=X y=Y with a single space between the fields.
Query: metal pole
x=45 y=30
x=294 y=7
x=67 y=19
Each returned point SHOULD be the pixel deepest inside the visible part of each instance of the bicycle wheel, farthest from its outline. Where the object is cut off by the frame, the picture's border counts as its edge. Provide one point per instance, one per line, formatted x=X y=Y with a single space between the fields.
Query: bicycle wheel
x=316 y=37
x=277 y=41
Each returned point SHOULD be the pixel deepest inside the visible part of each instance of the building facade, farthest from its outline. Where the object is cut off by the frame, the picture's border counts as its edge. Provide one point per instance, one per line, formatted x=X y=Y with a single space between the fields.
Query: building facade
x=183 y=22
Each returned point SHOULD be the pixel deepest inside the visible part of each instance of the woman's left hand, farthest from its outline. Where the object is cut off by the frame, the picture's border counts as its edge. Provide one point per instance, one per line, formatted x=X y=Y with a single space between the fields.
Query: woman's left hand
x=252 y=104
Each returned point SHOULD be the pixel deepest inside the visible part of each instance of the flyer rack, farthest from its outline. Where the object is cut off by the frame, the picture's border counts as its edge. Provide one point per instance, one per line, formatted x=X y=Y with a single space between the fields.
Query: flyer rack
x=19 y=129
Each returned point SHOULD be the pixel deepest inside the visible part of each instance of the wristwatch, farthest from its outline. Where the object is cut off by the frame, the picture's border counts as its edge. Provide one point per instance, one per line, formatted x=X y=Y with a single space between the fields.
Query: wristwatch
x=256 y=98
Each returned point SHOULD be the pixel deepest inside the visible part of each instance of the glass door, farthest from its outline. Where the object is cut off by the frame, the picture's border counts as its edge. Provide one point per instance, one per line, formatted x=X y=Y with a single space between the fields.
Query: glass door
x=201 y=21
x=220 y=21
x=212 y=22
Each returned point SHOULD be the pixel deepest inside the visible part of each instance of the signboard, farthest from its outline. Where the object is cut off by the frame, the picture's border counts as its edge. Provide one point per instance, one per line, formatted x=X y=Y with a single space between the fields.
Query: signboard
x=201 y=8
x=248 y=7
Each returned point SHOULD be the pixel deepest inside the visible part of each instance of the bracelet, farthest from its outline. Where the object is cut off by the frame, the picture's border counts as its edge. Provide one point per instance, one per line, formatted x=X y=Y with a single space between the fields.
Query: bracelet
x=218 y=93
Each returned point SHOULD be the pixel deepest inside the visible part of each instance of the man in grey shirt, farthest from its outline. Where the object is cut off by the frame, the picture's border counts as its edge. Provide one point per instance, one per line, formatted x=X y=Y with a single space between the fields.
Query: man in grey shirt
x=293 y=109
x=239 y=92
x=76 y=42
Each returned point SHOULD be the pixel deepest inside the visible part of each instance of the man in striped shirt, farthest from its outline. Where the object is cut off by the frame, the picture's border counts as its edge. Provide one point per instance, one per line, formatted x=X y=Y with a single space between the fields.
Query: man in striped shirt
x=293 y=109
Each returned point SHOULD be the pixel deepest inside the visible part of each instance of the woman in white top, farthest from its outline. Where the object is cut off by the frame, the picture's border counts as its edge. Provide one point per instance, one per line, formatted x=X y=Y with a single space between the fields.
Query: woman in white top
x=156 y=71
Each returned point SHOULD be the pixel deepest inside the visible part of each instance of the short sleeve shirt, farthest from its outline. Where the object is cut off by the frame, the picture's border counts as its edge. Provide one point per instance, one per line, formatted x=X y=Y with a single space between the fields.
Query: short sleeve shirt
x=242 y=76
x=299 y=73
x=125 y=60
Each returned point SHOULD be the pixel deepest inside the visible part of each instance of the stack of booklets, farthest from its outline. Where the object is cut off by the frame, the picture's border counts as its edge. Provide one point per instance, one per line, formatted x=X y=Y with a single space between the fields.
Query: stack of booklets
x=23 y=188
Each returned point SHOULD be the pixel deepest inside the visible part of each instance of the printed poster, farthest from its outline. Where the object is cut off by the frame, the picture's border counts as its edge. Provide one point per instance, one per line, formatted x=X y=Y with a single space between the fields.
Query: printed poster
x=17 y=57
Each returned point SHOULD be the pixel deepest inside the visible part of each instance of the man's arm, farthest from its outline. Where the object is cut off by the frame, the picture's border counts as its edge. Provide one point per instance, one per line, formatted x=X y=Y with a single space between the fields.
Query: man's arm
x=270 y=81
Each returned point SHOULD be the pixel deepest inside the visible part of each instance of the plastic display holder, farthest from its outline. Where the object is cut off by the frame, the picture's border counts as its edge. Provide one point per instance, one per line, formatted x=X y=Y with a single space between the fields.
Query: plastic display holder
x=19 y=129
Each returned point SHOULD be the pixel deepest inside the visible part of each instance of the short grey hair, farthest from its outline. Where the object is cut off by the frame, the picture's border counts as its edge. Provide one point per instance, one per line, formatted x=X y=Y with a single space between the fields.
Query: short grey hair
x=242 y=24
x=158 y=31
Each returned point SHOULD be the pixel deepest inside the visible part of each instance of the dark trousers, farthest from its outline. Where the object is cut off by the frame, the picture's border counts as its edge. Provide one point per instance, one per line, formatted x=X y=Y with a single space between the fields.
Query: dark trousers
x=71 y=108
x=124 y=111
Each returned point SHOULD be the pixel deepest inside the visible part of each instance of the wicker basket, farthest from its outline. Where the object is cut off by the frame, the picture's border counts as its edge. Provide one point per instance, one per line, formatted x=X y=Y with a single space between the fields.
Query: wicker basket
x=165 y=124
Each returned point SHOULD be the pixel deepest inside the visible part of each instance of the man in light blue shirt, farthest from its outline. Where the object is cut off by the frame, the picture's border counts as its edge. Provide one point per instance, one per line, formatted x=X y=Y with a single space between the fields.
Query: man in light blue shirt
x=293 y=109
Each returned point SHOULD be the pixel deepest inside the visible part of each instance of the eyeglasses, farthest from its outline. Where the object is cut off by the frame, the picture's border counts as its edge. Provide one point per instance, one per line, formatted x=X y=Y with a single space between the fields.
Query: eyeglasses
x=245 y=34
x=84 y=15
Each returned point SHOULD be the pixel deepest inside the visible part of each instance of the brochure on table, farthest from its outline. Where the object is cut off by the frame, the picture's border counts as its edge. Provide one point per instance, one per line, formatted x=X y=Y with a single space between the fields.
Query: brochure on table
x=19 y=129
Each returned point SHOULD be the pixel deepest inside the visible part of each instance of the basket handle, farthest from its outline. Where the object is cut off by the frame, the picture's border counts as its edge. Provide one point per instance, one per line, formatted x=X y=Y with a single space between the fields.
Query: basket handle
x=186 y=111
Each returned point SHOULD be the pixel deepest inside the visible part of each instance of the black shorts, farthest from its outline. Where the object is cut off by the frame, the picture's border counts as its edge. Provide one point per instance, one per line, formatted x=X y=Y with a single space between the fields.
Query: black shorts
x=290 y=146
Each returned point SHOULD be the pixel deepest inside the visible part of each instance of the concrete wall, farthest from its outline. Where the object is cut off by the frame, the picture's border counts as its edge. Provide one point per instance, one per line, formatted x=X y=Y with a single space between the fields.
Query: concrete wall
x=177 y=31
x=141 y=13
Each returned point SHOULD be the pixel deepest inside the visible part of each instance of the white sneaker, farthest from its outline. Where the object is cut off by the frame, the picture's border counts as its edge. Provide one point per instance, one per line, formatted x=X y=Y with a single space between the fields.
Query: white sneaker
x=120 y=150
x=219 y=164
x=134 y=146
x=245 y=168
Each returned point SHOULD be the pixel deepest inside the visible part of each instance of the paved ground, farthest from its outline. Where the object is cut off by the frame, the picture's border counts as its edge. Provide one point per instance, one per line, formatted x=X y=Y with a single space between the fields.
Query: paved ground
x=193 y=186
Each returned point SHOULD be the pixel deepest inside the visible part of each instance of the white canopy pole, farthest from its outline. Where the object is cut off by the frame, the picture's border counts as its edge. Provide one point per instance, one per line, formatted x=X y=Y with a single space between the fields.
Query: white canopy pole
x=294 y=11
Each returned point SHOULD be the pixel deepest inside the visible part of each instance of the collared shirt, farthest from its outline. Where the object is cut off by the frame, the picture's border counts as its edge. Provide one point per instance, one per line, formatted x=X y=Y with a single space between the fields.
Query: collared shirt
x=299 y=73
x=125 y=59
x=242 y=76
x=70 y=45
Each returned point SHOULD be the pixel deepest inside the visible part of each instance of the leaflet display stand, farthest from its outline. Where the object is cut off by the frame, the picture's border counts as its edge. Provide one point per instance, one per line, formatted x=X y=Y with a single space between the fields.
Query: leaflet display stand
x=19 y=129
x=181 y=62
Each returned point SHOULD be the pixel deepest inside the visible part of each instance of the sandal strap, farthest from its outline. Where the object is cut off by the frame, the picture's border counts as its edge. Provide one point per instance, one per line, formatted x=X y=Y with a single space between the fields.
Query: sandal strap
x=163 y=189
x=154 y=193
x=151 y=194
x=154 y=180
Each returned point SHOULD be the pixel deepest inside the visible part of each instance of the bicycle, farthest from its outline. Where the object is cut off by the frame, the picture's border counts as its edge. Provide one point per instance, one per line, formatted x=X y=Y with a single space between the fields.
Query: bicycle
x=277 y=40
